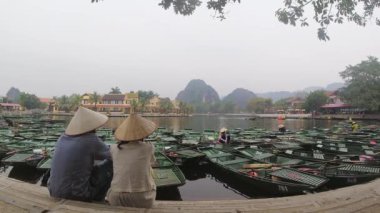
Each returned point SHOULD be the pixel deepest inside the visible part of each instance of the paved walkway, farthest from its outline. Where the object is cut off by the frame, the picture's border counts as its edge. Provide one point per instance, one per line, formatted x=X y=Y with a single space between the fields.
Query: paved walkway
x=17 y=196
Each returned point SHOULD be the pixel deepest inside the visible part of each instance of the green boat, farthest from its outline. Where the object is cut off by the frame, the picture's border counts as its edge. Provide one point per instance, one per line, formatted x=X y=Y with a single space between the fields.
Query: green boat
x=273 y=181
x=166 y=173
x=185 y=156
x=23 y=159
x=44 y=164
x=191 y=138
x=267 y=157
x=209 y=136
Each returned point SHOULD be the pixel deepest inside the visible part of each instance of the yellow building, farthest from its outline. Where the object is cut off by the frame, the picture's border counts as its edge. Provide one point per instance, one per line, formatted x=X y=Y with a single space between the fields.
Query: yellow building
x=106 y=103
x=86 y=98
x=132 y=97
x=153 y=104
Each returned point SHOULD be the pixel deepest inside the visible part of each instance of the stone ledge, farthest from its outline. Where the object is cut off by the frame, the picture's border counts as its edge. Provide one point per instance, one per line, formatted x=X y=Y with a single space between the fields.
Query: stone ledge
x=17 y=196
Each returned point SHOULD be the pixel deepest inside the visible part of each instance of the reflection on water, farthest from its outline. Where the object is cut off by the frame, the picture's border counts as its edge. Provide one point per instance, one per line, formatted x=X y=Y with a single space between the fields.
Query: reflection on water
x=171 y=193
x=206 y=187
x=193 y=173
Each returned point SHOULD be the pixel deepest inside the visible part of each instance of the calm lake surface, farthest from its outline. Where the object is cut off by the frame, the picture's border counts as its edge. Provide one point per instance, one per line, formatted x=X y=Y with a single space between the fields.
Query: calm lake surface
x=201 y=182
x=216 y=122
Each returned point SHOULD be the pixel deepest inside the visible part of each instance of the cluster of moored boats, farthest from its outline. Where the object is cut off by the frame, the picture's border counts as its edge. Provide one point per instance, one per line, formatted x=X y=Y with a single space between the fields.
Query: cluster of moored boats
x=265 y=161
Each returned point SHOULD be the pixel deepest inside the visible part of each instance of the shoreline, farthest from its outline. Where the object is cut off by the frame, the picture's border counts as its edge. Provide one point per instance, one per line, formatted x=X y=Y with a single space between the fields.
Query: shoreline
x=249 y=116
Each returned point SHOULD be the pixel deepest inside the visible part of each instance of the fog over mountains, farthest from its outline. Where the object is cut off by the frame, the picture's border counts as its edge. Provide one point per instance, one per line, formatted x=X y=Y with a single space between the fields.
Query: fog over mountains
x=198 y=91
x=277 y=95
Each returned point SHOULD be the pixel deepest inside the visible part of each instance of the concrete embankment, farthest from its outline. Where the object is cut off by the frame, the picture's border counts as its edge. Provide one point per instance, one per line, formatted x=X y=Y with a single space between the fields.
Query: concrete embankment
x=16 y=196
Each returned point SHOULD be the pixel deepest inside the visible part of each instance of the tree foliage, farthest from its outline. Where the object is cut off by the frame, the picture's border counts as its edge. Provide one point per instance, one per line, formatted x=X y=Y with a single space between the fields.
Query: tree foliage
x=68 y=103
x=185 y=108
x=144 y=97
x=327 y=12
x=30 y=101
x=63 y=103
x=13 y=95
x=259 y=105
x=187 y=7
x=315 y=100
x=166 y=106
x=95 y=98
x=363 y=84
x=115 y=90
x=227 y=107
x=281 y=104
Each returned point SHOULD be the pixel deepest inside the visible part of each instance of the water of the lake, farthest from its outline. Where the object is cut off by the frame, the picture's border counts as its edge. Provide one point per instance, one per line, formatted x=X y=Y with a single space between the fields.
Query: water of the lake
x=201 y=122
x=202 y=183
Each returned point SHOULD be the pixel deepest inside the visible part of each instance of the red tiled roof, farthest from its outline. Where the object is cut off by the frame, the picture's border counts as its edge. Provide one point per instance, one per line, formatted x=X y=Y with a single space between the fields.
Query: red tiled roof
x=108 y=105
x=45 y=100
x=113 y=97
x=336 y=106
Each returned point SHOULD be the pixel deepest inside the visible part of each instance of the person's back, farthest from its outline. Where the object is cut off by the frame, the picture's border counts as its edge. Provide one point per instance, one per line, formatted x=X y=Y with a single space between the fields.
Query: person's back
x=73 y=174
x=72 y=165
x=132 y=167
x=133 y=184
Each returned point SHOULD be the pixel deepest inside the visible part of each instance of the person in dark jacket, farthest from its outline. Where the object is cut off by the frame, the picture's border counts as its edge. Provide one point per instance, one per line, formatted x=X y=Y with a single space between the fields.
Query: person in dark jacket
x=81 y=166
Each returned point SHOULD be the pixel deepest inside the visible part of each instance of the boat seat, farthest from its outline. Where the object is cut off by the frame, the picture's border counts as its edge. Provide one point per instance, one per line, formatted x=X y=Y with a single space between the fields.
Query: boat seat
x=164 y=177
x=220 y=155
x=230 y=162
x=262 y=156
x=360 y=168
x=369 y=152
x=300 y=177
x=18 y=157
x=319 y=156
x=292 y=161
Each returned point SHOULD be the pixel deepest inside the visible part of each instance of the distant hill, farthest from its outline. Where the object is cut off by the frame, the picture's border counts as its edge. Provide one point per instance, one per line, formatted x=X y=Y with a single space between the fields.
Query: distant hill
x=240 y=97
x=198 y=92
x=13 y=95
x=334 y=86
x=275 y=96
x=312 y=89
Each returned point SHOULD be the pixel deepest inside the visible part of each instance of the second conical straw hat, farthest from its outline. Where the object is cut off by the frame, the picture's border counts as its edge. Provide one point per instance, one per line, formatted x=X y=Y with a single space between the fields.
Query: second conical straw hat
x=134 y=128
x=85 y=120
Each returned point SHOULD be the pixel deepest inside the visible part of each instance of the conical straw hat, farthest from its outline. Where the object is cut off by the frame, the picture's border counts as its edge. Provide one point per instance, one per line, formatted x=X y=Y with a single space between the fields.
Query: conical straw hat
x=85 y=120
x=134 y=128
x=223 y=129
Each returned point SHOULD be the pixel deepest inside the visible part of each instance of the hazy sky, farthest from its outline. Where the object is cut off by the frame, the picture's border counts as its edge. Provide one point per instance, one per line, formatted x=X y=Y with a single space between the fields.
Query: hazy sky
x=51 y=48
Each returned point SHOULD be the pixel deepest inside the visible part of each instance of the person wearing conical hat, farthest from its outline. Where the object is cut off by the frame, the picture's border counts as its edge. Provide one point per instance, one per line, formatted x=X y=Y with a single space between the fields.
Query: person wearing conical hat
x=224 y=137
x=73 y=173
x=354 y=126
x=133 y=184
